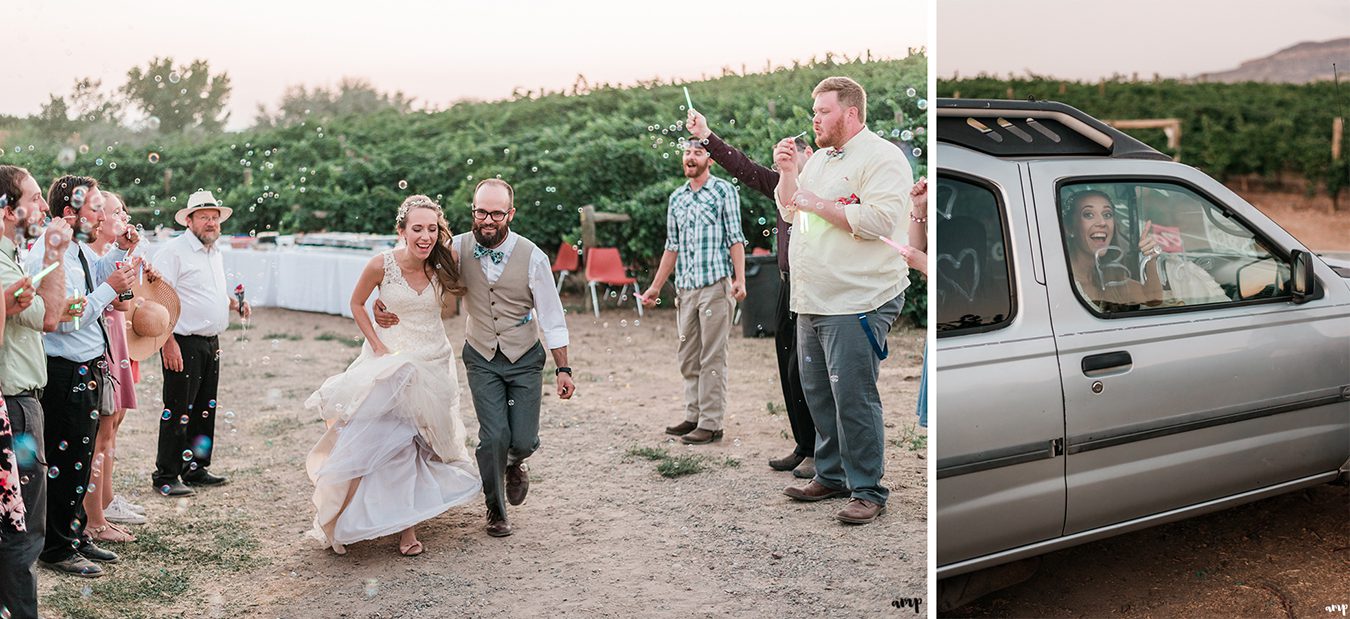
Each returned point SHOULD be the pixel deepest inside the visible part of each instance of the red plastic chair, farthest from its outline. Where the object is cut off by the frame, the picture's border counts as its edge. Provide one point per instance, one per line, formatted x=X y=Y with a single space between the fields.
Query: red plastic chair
x=566 y=262
x=605 y=266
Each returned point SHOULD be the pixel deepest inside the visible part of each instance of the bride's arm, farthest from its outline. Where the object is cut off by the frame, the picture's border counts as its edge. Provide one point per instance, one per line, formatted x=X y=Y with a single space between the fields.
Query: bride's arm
x=366 y=284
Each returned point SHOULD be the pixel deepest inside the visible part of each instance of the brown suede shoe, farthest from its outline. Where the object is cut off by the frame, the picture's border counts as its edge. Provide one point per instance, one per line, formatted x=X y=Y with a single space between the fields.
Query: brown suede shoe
x=786 y=463
x=517 y=483
x=701 y=437
x=684 y=428
x=813 y=491
x=498 y=526
x=860 y=511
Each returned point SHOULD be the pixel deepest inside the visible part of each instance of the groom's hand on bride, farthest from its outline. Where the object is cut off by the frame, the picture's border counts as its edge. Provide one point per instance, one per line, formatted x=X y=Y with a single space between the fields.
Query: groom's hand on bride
x=565 y=386
x=383 y=316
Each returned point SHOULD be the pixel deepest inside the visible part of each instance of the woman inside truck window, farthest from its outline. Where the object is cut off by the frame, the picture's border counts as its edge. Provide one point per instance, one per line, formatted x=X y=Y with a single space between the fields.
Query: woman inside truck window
x=1101 y=264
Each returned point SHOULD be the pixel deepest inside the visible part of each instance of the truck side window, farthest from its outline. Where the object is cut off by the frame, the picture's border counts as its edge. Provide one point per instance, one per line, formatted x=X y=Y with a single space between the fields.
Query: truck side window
x=972 y=285
x=1136 y=246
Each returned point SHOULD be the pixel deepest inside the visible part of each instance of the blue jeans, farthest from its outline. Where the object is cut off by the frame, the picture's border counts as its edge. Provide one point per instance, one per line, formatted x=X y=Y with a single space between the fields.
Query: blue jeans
x=839 y=376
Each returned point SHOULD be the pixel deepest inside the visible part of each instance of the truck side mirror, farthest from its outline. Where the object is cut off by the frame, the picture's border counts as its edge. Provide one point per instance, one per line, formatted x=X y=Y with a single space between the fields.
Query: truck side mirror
x=1302 y=283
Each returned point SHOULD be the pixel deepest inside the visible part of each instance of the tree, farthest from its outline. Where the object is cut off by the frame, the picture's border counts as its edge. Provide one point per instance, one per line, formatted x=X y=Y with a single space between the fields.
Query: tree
x=90 y=104
x=183 y=97
x=352 y=96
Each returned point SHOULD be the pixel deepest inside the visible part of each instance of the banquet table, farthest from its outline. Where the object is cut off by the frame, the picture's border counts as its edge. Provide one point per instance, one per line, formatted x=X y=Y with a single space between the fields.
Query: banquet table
x=298 y=278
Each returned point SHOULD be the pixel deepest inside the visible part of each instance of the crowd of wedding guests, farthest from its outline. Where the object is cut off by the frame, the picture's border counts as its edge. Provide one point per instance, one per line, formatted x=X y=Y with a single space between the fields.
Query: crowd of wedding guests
x=851 y=221
x=82 y=307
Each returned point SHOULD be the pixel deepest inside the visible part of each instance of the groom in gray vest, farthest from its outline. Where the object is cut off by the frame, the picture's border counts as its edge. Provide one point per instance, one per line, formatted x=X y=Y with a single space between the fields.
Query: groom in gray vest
x=510 y=286
x=510 y=298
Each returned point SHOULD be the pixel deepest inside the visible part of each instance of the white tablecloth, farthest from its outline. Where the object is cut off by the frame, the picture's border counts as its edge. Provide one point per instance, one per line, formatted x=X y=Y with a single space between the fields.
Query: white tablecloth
x=297 y=278
x=311 y=280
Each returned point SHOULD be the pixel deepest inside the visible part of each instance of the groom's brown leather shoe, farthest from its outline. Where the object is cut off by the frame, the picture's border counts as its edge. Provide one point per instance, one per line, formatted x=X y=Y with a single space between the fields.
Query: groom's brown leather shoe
x=498 y=526
x=684 y=428
x=814 y=491
x=517 y=483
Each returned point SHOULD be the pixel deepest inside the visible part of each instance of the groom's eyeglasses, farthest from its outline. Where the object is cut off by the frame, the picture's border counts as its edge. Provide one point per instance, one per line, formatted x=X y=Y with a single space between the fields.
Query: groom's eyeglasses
x=481 y=214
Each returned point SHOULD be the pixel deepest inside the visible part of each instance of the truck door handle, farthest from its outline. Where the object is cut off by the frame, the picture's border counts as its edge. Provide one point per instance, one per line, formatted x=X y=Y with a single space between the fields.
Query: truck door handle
x=1107 y=363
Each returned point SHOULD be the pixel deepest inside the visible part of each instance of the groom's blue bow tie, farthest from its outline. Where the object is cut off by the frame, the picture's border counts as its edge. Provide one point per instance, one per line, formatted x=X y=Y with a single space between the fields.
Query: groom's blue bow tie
x=480 y=251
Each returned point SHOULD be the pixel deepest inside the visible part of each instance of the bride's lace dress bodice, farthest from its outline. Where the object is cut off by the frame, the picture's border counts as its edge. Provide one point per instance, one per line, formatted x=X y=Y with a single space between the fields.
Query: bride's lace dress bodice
x=419 y=332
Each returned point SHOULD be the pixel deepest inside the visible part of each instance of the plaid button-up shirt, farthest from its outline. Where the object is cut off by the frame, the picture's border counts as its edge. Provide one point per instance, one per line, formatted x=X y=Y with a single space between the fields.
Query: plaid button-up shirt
x=701 y=227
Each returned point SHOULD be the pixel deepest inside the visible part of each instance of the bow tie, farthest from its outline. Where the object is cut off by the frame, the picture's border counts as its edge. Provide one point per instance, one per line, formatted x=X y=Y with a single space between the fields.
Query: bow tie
x=834 y=153
x=480 y=251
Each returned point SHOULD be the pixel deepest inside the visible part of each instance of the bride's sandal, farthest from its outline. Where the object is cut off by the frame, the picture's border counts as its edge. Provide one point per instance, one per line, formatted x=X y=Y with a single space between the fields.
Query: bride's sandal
x=410 y=550
x=108 y=533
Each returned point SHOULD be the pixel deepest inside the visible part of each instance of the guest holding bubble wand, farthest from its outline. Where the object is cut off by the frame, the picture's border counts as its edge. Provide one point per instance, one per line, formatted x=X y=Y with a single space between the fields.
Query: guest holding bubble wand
x=755 y=176
x=705 y=248
x=916 y=256
x=71 y=398
x=105 y=509
x=23 y=372
x=847 y=289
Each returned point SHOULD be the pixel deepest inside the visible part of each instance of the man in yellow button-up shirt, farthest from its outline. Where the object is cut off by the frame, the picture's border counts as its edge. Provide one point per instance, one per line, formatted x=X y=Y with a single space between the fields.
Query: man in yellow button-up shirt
x=847 y=288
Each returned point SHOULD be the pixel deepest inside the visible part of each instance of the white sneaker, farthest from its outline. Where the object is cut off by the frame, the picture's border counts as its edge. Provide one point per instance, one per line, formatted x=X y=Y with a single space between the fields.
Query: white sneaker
x=128 y=505
x=119 y=513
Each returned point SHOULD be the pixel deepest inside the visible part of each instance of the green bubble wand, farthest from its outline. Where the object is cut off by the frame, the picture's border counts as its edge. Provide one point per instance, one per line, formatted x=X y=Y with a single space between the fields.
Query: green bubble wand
x=38 y=278
x=687 y=100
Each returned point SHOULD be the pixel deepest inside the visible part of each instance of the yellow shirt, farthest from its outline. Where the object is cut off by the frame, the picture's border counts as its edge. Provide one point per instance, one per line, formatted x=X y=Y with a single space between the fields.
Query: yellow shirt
x=835 y=272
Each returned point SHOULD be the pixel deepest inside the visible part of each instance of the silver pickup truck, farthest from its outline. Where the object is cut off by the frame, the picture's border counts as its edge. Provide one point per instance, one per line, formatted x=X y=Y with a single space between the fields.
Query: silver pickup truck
x=1122 y=341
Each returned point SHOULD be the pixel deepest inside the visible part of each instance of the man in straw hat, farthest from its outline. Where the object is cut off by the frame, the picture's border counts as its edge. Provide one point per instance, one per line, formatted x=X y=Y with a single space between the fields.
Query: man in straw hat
x=193 y=266
x=76 y=360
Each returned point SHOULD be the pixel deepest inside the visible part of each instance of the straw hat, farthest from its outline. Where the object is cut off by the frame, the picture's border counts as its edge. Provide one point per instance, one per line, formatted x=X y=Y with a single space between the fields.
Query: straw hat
x=154 y=312
x=198 y=201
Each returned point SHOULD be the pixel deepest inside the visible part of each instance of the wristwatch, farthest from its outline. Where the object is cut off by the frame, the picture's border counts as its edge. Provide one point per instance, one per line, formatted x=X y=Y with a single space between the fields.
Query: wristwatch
x=561 y=370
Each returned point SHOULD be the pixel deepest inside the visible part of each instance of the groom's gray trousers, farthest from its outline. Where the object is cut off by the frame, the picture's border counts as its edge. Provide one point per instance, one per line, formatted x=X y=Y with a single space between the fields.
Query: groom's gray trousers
x=506 y=399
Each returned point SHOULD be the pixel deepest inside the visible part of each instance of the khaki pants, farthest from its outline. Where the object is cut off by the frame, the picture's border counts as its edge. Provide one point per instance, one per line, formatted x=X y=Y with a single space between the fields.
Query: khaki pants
x=704 y=326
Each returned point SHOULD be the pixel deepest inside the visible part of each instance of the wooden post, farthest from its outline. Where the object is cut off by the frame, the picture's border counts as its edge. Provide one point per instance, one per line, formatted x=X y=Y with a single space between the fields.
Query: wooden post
x=587 y=229
x=772 y=108
x=248 y=177
x=1337 y=128
x=1010 y=93
x=588 y=220
x=168 y=176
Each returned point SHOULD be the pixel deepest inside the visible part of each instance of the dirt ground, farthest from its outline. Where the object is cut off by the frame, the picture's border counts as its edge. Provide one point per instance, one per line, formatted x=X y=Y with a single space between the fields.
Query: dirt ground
x=1309 y=219
x=1286 y=556
x=601 y=535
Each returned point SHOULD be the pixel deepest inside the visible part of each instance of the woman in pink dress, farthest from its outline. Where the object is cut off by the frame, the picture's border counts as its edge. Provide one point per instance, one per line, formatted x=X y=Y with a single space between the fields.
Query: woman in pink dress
x=104 y=509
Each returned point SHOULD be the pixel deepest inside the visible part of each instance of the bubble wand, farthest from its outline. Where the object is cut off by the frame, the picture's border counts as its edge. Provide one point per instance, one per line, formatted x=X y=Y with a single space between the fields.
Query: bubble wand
x=38 y=278
x=687 y=100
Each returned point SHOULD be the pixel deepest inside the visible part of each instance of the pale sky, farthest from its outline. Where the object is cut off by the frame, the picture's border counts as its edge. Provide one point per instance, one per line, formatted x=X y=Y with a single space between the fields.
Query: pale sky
x=435 y=51
x=1088 y=39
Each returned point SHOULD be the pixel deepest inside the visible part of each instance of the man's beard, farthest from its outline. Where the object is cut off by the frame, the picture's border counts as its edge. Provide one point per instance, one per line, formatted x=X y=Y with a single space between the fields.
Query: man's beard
x=491 y=241
x=829 y=135
x=696 y=172
x=208 y=238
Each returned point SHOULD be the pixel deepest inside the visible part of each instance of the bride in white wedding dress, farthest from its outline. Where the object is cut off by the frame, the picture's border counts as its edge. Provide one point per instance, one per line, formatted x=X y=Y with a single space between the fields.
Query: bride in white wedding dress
x=394 y=453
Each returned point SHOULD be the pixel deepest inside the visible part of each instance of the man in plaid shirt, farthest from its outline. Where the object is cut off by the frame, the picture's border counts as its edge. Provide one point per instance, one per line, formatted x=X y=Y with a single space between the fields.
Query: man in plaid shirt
x=706 y=249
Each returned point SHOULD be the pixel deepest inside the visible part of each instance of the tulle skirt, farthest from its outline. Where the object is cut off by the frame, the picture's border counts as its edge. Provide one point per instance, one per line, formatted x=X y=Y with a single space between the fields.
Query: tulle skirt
x=393 y=454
